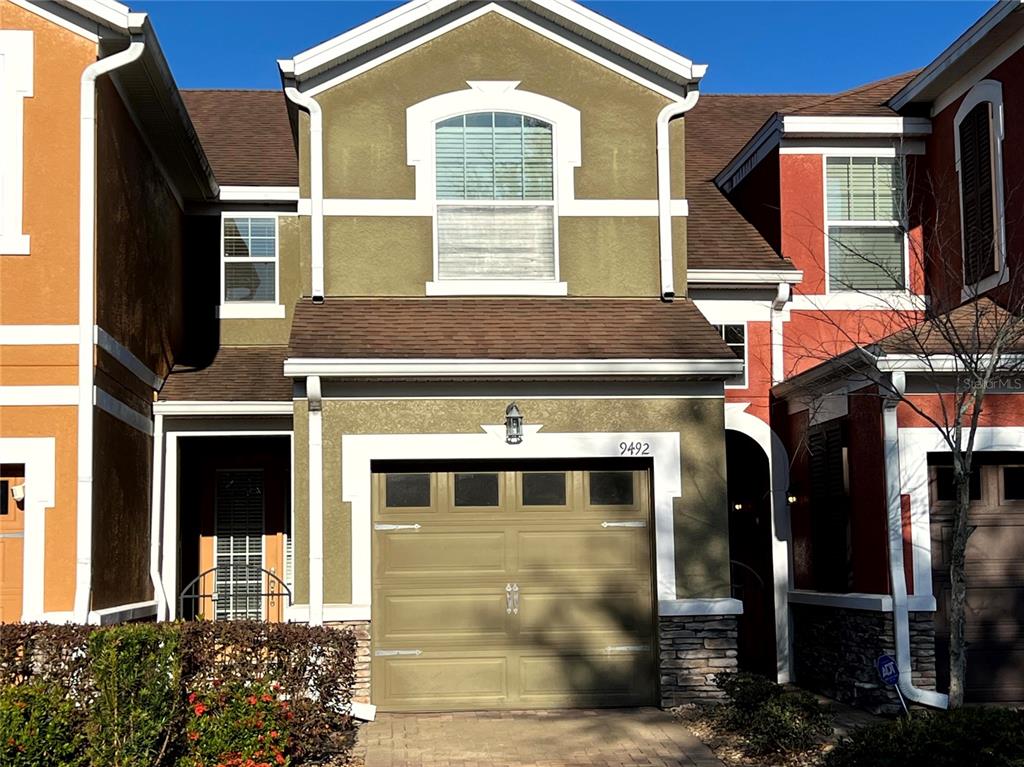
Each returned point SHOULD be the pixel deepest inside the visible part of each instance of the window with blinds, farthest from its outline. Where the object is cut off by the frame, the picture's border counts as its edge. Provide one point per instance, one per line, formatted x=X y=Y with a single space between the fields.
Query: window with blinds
x=250 y=259
x=238 y=548
x=977 y=194
x=865 y=236
x=735 y=337
x=495 y=198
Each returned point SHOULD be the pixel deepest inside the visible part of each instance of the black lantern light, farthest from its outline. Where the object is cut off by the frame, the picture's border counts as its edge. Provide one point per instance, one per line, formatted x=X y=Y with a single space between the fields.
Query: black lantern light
x=513 y=424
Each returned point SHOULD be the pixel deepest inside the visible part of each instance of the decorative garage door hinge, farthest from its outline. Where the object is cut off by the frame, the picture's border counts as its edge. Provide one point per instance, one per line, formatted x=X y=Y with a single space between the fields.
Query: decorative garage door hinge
x=392 y=653
x=626 y=648
x=379 y=526
x=626 y=523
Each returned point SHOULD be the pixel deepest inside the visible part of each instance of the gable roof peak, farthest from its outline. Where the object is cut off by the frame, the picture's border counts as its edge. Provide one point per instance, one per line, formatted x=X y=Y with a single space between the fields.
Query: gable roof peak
x=565 y=21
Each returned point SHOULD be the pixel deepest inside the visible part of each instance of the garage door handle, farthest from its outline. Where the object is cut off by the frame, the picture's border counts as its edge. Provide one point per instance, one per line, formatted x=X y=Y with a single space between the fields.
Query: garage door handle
x=627 y=523
x=515 y=599
x=508 y=599
x=379 y=526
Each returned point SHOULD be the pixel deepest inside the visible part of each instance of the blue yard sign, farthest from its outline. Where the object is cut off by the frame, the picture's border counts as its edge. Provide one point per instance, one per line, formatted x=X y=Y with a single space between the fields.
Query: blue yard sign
x=887 y=670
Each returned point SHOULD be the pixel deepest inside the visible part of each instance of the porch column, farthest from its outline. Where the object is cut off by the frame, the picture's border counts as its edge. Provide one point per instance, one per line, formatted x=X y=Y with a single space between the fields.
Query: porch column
x=316 y=502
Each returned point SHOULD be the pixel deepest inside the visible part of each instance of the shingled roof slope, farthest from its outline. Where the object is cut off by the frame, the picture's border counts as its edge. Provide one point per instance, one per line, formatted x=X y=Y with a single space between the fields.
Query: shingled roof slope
x=717 y=235
x=868 y=100
x=246 y=134
x=503 y=328
x=236 y=374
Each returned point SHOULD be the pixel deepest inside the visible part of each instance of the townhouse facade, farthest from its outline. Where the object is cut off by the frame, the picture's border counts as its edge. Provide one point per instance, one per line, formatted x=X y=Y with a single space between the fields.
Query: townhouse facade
x=526 y=378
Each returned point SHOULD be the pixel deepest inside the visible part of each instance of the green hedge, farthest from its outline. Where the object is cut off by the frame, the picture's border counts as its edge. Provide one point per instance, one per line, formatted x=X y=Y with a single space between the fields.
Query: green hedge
x=188 y=694
x=978 y=737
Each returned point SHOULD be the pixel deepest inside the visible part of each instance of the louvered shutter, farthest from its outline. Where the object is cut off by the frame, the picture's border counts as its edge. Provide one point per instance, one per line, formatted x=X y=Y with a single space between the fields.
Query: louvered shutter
x=238 y=530
x=976 y=191
x=829 y=506
x=495 y=156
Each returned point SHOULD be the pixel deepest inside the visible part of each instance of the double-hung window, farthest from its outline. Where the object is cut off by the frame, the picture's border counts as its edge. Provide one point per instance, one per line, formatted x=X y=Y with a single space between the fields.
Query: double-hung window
x=250 y=266
x=863 y=219
x=495 y=216
x=735 y=337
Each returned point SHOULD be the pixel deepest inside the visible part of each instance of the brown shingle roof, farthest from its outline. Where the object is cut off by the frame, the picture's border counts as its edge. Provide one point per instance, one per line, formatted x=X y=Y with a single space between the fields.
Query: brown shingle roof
x=503 y=328
x=973 y=329
x=718 y=236
x=868 y=100
x=237 y=374
x=246 y=134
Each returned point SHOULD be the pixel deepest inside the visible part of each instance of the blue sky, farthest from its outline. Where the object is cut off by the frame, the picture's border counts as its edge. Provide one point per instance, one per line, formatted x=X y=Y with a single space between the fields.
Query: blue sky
x=751 y=47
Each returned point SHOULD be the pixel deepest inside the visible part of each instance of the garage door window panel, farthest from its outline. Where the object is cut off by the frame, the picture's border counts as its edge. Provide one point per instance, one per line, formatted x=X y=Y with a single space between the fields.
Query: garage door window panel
x=613 y=490
x=544 y=490
x=1011 y=485
x=476 y=490
x=408 y=491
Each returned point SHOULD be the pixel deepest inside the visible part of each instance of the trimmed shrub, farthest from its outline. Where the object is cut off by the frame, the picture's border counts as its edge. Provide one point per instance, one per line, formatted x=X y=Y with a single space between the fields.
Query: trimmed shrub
x=980 y=737
x=40 y=727
x=770 y=719
x=136 y=675
x=237 y=727
x=44 y=652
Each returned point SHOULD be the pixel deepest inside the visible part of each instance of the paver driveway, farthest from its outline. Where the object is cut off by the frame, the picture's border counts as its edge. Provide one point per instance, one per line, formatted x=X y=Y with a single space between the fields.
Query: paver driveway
x=638 y=737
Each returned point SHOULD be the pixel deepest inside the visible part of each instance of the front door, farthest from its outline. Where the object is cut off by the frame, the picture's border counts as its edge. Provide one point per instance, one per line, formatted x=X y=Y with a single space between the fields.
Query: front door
x=12 y=542
x=512 y=587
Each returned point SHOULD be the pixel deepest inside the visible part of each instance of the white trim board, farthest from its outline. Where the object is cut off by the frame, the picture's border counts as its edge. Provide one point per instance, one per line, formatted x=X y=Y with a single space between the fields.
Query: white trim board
x=126 y=414
x=358 y=451
x=743 y=276
x=712 y=606
x=230 y=193
x=432 y=368
x=195 y=407
x=38 y=396
x=881 y=603
x=423 y=21
x=567 y=207
x=39 y=456
x=38 y=335
x=121 y=613
x=123 y=355
x=16 y=76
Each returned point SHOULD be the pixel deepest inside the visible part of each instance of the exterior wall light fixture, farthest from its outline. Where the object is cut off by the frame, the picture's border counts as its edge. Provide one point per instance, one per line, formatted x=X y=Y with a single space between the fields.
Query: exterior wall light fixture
x=513 y=424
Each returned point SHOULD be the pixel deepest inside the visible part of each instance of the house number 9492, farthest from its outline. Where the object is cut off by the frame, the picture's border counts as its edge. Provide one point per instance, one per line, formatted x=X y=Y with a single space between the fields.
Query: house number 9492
x=634 y=448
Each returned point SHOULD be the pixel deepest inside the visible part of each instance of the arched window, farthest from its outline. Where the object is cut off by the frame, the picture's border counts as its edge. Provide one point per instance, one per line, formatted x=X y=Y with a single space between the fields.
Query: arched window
x=495 y=196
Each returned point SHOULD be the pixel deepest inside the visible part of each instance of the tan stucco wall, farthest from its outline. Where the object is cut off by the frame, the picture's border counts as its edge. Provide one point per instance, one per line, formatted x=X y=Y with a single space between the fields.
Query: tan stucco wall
x=42 y=287
x=261 y=332
x=701 y=517
x=365 y=157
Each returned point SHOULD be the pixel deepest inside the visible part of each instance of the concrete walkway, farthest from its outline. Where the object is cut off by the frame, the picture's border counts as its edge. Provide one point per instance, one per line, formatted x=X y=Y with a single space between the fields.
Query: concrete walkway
x=643 y=737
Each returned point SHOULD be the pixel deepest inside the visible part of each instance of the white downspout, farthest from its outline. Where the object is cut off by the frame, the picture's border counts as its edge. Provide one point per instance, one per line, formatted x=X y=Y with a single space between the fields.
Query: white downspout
x=156 y=519
x=316 y=186
x=671 y=111
x=782 y=296
x=86 y=308
x=316 y=501
x=900 y=608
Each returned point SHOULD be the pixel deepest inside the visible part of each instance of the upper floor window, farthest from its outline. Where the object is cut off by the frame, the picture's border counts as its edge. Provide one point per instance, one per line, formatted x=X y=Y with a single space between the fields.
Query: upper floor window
x=863 y=211
x=249 y=258
x=495 y=215
x=735 y=337
x=979 y=164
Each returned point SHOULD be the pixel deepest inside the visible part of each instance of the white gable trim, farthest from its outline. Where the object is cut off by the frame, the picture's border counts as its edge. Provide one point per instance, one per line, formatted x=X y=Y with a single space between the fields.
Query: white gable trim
x=304 y=64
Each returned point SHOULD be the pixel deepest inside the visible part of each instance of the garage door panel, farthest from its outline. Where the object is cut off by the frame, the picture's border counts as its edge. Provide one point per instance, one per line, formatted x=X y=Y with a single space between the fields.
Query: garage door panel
x=442 y=681
x=607 y=617
x=440 y=553
x=426 y=618
x=580 y=677
x=582 y=552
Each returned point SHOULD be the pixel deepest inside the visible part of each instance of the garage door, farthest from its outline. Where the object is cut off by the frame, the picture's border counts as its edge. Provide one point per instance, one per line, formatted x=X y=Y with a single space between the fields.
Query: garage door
x=995 y=577
x=524 y=588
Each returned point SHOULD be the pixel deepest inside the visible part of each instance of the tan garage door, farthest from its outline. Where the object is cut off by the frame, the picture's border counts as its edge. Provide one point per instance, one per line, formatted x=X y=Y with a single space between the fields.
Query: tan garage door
x=527 y=588
x=995 y=577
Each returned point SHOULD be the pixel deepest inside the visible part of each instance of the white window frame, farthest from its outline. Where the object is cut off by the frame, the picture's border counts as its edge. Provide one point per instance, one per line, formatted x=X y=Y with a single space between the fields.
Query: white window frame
x=990 y=91
x=746 y=350
x=878 y=153
x=494 y=96
x=16 y=76
x=251 y=309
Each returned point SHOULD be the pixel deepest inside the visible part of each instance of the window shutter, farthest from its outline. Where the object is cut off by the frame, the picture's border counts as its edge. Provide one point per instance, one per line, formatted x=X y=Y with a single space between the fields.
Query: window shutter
x=829 y=507
x=495 y=242
x=238 y=527
x=976 y=192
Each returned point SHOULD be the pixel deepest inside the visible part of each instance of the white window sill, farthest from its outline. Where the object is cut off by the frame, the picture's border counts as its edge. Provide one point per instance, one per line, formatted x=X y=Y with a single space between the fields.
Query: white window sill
x=497 y=288
x=881 y=603
x=14 y=245
x=253 y=311
x=983 y=286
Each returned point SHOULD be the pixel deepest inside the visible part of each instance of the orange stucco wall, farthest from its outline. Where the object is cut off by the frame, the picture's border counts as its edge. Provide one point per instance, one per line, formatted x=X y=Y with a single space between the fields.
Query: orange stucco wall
x=759 y=371
x=42 y=287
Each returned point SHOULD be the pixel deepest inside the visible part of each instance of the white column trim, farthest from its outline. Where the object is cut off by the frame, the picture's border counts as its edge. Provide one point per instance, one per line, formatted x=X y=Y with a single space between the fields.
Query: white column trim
x=39 y=456
x=316 y=503
x=38 y=396
x=15 y=87
x=38 y=335
x=737 y=419
x=357 y=452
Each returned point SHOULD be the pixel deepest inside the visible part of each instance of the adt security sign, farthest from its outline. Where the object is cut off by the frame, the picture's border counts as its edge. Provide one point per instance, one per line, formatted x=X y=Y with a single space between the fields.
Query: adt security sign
x=890 y=675
x=887 y=671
